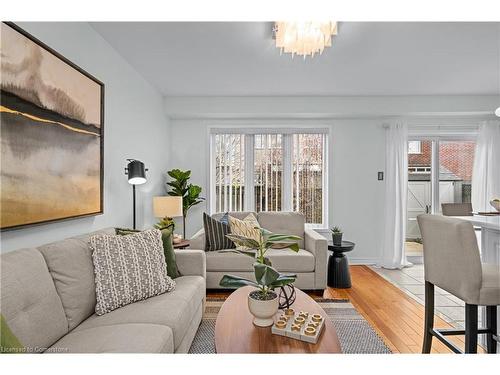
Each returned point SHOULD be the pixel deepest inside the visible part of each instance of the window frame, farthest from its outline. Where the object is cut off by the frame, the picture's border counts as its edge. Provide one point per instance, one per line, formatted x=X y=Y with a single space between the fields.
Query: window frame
x=287 y=174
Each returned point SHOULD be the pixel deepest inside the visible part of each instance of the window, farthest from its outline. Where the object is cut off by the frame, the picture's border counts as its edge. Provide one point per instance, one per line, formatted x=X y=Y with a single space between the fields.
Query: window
x=229 y=172
x=268 y=172
x=308 y=173
x=414 y=147
x=252 y=170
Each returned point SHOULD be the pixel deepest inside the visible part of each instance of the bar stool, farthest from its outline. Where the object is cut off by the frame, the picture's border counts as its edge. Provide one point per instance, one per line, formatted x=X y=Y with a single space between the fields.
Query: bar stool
x=452 y=262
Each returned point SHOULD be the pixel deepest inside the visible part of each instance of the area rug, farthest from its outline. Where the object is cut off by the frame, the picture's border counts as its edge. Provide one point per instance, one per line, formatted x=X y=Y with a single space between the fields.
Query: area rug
x=355 y=334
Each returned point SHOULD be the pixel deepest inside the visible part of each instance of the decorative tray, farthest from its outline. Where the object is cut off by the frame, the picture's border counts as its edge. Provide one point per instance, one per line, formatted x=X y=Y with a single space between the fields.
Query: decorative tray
x=301 y=325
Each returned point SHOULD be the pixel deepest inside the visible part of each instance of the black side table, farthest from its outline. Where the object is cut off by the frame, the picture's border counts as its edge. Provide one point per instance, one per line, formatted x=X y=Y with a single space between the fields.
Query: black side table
x=338 y=266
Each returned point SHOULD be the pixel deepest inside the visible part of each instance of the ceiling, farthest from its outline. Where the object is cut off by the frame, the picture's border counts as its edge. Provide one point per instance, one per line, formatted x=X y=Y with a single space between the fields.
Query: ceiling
x=367 y=58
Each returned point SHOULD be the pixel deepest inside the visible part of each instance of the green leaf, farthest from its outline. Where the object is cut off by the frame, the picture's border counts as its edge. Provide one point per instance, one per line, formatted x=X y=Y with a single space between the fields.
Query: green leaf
x=283 y=237
x=264 y=274
x=283 y=280
x=230 y=281
x=282 y=245
x=250 y=253
x=243 y=241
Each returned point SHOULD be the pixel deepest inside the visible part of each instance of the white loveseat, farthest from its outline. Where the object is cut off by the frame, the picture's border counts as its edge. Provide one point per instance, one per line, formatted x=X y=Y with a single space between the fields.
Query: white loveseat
x=310 y=263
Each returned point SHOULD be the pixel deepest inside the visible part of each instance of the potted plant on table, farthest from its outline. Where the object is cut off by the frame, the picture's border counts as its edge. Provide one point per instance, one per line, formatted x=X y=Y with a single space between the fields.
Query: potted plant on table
x=336 y=236
x=263 y=302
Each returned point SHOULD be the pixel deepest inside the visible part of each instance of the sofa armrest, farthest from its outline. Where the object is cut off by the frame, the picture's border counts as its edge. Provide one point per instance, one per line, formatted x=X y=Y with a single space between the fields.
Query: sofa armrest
x=197 y=242
x=316 y=244
x=191 y=262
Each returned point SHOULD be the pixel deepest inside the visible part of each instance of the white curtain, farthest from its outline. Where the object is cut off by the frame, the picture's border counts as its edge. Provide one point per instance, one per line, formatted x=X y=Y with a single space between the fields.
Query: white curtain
x=396 y=186
x=486 y=171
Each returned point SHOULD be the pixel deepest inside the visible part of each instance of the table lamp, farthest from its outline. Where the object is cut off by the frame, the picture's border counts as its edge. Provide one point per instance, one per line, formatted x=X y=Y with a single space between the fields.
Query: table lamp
x=167 y=206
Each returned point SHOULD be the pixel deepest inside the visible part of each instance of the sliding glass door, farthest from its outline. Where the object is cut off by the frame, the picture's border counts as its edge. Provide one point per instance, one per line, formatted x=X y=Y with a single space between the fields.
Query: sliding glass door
x=439 y=171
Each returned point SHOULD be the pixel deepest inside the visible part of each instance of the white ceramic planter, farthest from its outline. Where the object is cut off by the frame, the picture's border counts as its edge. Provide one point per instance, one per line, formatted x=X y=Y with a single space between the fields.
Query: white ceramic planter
x=263 y=311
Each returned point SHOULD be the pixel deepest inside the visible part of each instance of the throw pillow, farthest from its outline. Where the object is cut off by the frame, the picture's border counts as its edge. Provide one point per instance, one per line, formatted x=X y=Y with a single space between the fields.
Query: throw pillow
x=168 y=248
x=9 y=343
x=128 y=269
x=248 y=227
x=215 y=234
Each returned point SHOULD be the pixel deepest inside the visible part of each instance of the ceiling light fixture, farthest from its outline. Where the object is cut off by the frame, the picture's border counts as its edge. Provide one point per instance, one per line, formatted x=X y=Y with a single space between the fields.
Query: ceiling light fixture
x=304 y=38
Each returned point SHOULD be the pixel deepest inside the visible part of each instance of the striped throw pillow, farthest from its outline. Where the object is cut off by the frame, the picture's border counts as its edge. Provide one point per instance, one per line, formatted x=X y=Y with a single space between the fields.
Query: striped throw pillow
x=215 y=234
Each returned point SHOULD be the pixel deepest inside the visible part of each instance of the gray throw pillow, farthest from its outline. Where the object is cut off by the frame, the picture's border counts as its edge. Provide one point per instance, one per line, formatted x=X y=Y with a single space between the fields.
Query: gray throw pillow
x=128 y=269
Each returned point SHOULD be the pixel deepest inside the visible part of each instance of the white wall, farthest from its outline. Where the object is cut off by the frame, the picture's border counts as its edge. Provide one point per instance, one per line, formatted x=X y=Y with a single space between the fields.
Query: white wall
x=135 y=126
x=357 y=145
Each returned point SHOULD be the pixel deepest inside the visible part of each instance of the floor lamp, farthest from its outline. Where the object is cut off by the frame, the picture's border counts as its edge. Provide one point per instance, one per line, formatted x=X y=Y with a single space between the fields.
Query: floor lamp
x=136 y=176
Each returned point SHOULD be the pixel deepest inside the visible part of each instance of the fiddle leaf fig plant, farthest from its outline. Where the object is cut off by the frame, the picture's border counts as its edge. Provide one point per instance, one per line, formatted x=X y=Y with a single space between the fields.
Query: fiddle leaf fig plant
x=180 y=187
x=266 y=277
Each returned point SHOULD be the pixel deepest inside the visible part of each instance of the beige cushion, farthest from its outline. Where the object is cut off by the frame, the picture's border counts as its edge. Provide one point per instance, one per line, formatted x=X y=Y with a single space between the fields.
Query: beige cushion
x=489 y=293
x=248 y=227
x=175 y=309
x=283 y=223
x=29 y=301
x=128 y=269
x=120 y=338
x=70 y=265
x=283 y=260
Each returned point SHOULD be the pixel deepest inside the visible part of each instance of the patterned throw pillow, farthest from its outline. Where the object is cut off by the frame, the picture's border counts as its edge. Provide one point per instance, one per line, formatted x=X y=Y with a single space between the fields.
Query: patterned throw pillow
x=128 y=269
x=215 y=234
x=168 y=247
x=248 y=227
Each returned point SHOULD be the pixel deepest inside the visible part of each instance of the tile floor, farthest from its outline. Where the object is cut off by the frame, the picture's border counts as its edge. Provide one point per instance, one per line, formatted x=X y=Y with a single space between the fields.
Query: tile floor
x=411 y=281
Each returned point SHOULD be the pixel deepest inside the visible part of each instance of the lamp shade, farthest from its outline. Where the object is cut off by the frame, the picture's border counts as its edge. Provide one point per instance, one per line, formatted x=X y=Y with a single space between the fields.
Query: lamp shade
x=136 y=172
x=167 y=206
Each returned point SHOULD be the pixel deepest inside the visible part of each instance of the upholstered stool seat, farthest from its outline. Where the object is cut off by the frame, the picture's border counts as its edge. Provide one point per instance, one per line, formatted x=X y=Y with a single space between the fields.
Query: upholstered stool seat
x=452 y=262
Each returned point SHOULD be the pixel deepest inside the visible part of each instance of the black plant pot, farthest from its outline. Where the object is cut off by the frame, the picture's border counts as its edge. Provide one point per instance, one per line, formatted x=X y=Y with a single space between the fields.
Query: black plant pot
x=337 y=239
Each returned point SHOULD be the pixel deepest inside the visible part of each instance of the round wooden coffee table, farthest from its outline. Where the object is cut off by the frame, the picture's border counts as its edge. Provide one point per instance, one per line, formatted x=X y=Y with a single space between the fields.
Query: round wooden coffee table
x=236 y=333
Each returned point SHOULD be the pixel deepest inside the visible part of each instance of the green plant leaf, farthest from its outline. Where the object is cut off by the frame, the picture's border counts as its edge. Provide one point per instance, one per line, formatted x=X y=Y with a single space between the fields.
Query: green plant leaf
x=283 y=280
x=243 y=241
x=230 y=281
x=250 y=253
x=283 y=237
x=283 y=245
x=264 y=274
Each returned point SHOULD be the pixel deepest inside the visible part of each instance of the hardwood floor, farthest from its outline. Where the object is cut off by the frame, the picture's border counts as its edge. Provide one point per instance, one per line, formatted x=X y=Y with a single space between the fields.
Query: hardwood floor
x=396 y=317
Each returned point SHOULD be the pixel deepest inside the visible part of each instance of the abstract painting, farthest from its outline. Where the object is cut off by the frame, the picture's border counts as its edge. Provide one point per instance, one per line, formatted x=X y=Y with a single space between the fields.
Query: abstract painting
x=51 y=115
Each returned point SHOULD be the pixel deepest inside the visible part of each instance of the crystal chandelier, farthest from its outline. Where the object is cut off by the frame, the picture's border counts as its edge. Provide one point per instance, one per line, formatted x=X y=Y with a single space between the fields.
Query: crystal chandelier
x=304 y=38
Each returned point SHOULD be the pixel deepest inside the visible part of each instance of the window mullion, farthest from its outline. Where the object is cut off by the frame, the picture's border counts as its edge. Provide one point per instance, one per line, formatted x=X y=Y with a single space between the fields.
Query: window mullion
x=249 y=173
x=286 y=184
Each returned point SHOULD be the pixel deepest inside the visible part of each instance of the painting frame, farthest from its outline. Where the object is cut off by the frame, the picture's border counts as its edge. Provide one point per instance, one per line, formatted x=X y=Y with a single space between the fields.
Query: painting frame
x=78 y=69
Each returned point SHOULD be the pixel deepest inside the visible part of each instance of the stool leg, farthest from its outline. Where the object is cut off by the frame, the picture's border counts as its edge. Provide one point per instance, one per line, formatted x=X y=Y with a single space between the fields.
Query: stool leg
x=429 y=317
x=470 y=328
x=491 y=325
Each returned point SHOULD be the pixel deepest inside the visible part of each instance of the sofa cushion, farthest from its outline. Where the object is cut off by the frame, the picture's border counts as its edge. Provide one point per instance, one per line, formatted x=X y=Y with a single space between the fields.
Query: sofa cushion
x=120 y=338
x=228 y=261
x=283 y=223
x=282 y=259
x=175 y=309
x=168 y=247
x=70 y=265
x=128 y=269
x=215 y=234
x=248 y=227
x=29 y=301
x=237 y=214
x=286 y=260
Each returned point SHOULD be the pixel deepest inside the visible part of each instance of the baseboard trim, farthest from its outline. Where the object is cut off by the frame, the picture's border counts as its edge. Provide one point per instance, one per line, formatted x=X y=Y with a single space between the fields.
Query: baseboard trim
x=355 y=261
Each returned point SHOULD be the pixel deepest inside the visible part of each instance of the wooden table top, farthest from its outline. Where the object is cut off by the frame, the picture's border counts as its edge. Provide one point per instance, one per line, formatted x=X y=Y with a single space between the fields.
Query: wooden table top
x=236 y=333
